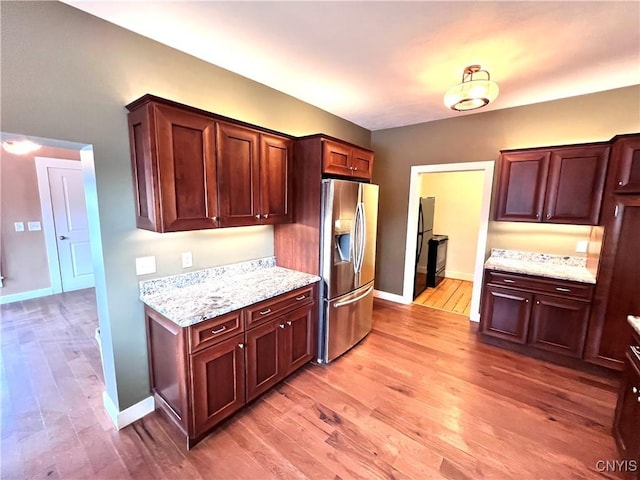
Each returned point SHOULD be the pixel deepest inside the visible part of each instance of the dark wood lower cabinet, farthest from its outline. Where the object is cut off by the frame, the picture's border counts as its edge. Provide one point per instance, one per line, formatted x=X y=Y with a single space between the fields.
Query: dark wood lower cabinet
x=627 y=419
x=559 y=325
x=217 y=383
x=538 y=313
x=505 y=314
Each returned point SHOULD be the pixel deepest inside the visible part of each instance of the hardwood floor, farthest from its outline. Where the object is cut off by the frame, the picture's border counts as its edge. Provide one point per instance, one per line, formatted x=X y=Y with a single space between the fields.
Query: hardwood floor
x=450 y=295
x=419 y=398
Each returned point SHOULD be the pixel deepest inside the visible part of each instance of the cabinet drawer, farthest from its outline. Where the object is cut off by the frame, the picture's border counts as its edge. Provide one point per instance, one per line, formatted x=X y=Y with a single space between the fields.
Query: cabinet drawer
x=215 y=330
x=263 y=311
x=564 y=288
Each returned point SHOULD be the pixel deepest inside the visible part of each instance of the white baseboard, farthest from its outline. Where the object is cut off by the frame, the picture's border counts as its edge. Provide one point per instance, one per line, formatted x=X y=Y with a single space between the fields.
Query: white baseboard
x=128 y=415
x=459 y=275
x=18 y=297
x=474 y=317
x=392 y=297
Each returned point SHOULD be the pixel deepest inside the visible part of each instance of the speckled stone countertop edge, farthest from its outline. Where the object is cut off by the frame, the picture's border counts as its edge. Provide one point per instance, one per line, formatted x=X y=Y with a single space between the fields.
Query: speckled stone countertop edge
x=540 y=264
x=634 y=321
x=187 y=302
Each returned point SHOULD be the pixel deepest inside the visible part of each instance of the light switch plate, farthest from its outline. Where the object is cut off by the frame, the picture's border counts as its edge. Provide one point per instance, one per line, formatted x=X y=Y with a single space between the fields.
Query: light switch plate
x=19 y=226
x=34 y=226
x=187 y=260
x=581 y=246
x=145 y=265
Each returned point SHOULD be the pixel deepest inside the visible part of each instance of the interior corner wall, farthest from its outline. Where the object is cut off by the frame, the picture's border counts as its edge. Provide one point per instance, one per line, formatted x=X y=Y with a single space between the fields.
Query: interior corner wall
x=23 y=255
x=480 y=137
x=76 y=72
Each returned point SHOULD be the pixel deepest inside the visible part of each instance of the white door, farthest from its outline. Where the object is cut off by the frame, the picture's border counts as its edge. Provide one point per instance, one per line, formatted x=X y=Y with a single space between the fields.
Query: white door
x=71 y=227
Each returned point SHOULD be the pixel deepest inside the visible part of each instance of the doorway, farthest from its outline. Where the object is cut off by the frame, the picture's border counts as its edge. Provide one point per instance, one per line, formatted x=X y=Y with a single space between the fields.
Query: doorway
x=486 y=169
x=65 y=223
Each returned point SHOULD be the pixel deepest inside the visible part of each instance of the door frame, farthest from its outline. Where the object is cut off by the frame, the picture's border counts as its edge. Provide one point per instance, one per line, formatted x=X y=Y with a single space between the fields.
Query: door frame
x=46 y=206
x=412 y=226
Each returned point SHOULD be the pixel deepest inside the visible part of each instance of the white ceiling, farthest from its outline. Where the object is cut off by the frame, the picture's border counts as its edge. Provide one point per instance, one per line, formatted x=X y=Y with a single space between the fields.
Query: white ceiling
x=388 y=64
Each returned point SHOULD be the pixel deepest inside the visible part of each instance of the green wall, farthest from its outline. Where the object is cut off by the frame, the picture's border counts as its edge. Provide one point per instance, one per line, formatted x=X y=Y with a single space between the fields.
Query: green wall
x=480 y=137
x=67 y=75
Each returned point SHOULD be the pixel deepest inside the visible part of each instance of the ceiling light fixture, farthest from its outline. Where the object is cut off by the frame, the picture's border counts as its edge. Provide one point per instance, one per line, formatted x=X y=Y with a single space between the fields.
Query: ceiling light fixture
x=20 y=147
x=472 y=92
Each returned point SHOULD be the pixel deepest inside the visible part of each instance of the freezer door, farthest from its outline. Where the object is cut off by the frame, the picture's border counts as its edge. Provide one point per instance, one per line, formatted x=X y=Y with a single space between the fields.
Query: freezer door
x=347 y=320
x=369 y=218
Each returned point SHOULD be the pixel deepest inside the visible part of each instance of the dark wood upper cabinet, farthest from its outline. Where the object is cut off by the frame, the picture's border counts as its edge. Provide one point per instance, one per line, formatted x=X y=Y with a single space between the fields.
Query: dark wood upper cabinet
x=625 y=157
x=521 y=186
x=576 y=184
x=276 y=179
x=238 y=175
x=346 y=160
x=194 y=170
x=173 y=160
x=553 y=185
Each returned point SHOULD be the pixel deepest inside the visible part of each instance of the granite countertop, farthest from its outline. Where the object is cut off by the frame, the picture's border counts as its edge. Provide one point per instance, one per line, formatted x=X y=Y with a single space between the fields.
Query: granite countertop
x=545 y=265
x=190 y=298
x=634 y=321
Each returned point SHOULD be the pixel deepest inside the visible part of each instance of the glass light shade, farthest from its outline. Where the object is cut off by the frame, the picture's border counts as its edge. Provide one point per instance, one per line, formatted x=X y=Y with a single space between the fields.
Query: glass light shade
x=471 y=94
x=20 y=147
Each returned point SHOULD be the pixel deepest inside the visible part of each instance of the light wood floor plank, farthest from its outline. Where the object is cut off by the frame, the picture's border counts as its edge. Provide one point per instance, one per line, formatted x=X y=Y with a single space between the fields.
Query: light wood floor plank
x=420 y=397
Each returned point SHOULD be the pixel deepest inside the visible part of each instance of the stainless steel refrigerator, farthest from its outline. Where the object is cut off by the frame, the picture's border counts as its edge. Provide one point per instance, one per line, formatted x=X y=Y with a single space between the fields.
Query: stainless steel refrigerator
x=425 y=232
x=347 y=264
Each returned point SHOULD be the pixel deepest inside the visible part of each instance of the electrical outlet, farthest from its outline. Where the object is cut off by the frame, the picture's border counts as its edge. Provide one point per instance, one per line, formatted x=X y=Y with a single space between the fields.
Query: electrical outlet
x=581 y=246
x=187 y=260
x=145 y=265
x=19 y=226
x=34 y=226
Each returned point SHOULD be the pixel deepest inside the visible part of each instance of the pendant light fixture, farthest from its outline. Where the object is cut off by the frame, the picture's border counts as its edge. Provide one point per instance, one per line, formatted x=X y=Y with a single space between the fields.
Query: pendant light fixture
x=476 y=90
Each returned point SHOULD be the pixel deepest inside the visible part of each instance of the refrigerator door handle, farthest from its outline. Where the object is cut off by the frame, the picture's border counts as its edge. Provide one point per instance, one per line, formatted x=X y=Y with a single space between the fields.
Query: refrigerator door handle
x=360 y=237
x=354 y=300
x=363 y=235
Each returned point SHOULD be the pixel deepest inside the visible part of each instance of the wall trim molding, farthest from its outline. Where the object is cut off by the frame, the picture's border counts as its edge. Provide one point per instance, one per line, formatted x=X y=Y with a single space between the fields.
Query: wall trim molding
x=412 y=225
x=392 y=297
x=28 y=295
x=129 y=415
x=458 y=275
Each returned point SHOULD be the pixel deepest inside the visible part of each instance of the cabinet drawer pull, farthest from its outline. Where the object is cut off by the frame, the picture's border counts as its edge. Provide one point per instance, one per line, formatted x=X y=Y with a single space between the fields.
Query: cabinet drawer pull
x=560 y=289
x=506 y=280
x=301 y=297
x=219 y=330
x=264 y=312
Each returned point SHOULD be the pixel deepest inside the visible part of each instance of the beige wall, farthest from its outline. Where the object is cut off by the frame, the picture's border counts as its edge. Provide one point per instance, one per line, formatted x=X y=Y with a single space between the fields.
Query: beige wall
x=22 y=254
x=76 y=73
x=480 y=137
x=457 y=214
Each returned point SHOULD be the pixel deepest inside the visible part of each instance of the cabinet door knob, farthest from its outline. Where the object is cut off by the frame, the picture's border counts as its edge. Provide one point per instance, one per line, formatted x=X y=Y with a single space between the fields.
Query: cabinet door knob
x=620 y=183
x=634 y=389
x=548 y=216
x=281 y=325
x=527 y=300
x=537 y=215
x=266 y=215
x=241 y=345
x=289 y=322
x=538 y=302
x=214 y=218
x=257 y=215
x=355 y=168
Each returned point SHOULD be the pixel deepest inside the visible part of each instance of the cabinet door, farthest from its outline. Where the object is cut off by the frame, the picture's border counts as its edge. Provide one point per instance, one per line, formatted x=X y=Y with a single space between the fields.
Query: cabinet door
x=521 y=186
x=362 y=163
x=264 y=358
x=336 y=158
x=505 y=313
x=575 y=185
x=238 y=175
x=559 y=325
x=625 y=158
x=616 y=294
x=300 y=338
x=217 y=383
x=276 y=179
x=186 y=167
x=627 y=418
